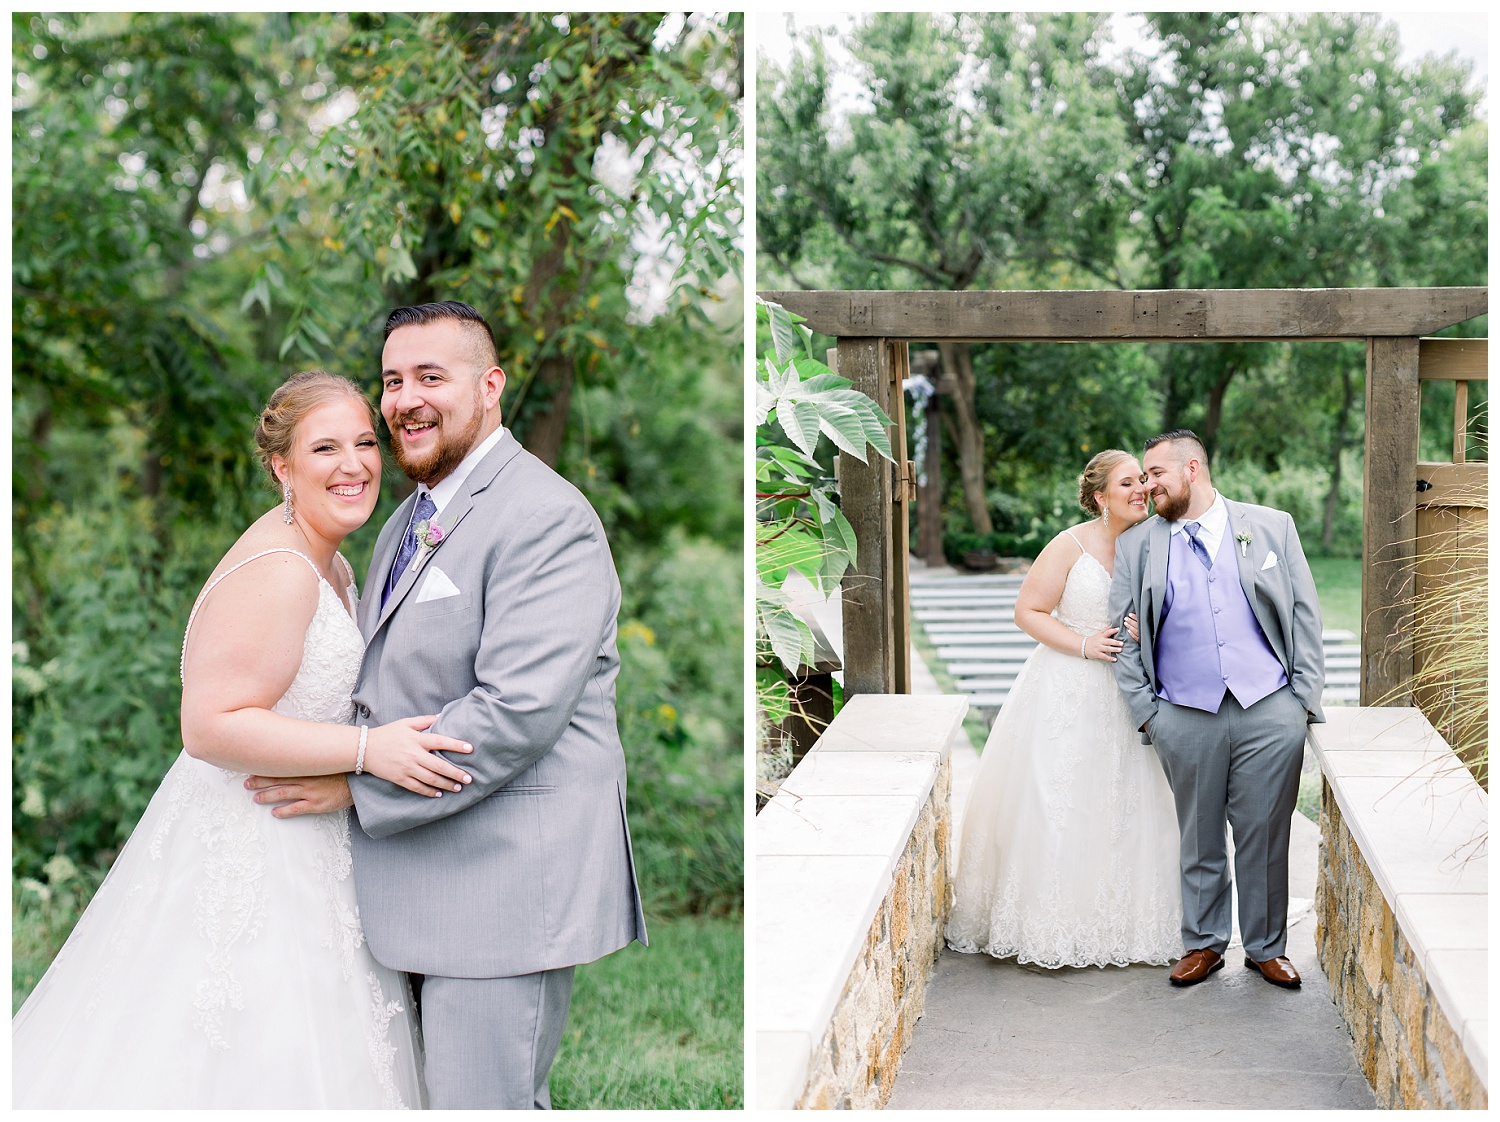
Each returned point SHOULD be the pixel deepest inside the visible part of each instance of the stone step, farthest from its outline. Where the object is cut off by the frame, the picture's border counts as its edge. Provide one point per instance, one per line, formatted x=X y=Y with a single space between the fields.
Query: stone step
x=983 y=638
x=984 y=627
x=963 y=671
x=982 y=580
x=979 y=615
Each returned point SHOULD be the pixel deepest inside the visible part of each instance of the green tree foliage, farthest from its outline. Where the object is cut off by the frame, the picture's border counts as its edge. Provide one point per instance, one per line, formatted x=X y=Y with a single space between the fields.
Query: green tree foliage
x=952 y=174
x=1230 y=151
x=531 y=158
x=203 y=201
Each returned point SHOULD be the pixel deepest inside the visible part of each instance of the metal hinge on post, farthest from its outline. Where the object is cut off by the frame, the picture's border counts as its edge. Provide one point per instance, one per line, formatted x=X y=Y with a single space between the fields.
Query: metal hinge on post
x=904 y=481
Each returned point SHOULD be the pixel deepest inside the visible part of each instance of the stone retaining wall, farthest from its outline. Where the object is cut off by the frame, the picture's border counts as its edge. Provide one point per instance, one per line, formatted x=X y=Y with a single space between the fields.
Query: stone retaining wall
x=1401 y=907
x=851 y=896
x=854 y=1066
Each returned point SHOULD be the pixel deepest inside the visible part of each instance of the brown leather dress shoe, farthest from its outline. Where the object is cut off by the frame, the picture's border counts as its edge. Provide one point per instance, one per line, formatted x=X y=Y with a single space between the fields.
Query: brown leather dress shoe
x=1194 y=966
x=1277 y=971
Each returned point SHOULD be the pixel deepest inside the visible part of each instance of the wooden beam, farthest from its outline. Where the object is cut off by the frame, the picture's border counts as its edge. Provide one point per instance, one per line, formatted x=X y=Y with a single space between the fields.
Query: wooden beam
x=1454 y=360
x=865 y=496
x=1217 y=315
x=1391 y=414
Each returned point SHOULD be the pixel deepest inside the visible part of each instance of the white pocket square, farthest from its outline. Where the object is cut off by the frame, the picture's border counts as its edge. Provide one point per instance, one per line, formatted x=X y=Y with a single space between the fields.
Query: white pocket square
x=436 y=586
x=1270 y=561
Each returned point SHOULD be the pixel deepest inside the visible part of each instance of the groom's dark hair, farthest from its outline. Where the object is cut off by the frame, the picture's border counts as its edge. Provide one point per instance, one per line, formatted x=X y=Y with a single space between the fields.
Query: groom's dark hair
x=484 y=354
x=1194 y=448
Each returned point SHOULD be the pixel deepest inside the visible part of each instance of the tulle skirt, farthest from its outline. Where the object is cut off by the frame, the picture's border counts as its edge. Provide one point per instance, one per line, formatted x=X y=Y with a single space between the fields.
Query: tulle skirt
x=221 y=964
x=1069 y=851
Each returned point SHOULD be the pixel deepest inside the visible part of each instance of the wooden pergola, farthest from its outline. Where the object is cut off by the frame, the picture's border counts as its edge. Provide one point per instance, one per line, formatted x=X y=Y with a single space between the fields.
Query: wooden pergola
x=874 y=329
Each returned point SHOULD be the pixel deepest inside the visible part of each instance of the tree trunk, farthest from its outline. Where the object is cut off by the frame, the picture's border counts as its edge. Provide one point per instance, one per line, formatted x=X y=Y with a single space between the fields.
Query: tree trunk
x=967 y=435
x=1171 y=407
x=549 y=423
x=1215 y=411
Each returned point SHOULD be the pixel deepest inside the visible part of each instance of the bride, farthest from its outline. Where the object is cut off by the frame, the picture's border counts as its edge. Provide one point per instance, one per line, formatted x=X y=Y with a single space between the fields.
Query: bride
x=1069 y=854
x=221 y=963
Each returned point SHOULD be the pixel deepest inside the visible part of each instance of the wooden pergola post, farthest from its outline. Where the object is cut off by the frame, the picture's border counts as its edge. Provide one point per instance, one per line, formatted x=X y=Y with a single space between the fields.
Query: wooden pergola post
x=1392 y=413
x=866 y=492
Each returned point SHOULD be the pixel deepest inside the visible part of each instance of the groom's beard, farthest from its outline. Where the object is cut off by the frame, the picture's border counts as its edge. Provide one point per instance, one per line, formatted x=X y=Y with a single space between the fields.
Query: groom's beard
x=449 y=453
x=1171 y=507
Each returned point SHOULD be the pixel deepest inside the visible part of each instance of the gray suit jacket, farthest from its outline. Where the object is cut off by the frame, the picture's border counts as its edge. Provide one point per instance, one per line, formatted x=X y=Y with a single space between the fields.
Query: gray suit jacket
x=529 y=868
x=1283 y=597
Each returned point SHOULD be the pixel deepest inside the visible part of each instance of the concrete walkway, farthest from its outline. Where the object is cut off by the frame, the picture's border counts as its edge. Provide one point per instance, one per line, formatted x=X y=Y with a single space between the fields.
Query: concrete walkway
x=1002 y=1036
x=998 y=1035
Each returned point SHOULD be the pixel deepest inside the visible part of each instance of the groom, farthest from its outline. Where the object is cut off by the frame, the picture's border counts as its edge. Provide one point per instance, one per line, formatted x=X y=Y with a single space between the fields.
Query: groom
x=1225 y=677
x=503 y=623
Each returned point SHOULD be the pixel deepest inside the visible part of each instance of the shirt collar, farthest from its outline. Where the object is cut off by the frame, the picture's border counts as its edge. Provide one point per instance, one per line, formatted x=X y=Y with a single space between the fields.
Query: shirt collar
x=450 y=485
x=1213 y=520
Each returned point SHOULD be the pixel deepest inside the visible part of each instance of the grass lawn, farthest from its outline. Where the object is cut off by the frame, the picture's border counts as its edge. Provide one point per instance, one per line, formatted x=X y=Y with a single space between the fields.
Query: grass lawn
x=659 y=1027
x=1338 y=581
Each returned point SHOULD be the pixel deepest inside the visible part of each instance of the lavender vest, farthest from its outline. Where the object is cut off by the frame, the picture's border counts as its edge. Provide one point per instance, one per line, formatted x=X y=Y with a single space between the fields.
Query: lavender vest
x=1209 y=639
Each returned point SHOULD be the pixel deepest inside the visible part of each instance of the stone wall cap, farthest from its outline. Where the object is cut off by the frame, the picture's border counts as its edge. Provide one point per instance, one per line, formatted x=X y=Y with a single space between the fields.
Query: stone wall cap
x=863 y=773
x=811 y=918
x=1443 y=921
x=838 y=825
x=1477 y=1048
x=886 y=722
x=781 y=1060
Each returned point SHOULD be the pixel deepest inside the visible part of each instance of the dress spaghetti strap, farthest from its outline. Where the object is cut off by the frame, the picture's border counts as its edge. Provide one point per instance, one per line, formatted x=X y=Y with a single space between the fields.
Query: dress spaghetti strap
x=182 y=660
x=1076 y=542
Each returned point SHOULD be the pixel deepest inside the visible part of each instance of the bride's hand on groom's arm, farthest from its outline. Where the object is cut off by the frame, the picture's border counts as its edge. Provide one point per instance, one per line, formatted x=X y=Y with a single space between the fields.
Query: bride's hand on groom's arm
x=404 y=753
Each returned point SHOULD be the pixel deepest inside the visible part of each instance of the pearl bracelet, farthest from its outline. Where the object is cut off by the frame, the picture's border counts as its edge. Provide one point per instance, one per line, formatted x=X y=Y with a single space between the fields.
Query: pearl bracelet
x=359 y=761
x=1083 y=648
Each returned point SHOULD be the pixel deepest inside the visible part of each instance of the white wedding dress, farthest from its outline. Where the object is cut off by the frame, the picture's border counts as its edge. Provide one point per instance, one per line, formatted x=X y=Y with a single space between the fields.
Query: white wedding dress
x=1069 y=855
x=222 y=963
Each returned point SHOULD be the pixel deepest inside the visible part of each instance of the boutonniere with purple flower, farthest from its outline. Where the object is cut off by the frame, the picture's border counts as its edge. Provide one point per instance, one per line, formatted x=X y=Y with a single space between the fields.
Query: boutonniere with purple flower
x=429 y=536
x=1244 y=538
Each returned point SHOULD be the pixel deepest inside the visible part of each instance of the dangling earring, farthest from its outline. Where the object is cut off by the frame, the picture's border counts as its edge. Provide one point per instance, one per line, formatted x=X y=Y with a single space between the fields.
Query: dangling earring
x=286 y=495
x=1103 y=511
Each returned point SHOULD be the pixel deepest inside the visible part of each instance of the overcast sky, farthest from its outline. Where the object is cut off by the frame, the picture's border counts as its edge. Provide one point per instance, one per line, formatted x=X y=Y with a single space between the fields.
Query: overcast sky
x=1422 y=33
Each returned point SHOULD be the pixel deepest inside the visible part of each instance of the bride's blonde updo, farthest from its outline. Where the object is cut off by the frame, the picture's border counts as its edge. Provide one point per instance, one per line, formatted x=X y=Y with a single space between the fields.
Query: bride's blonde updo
x=1095 y=478
x=293 y=400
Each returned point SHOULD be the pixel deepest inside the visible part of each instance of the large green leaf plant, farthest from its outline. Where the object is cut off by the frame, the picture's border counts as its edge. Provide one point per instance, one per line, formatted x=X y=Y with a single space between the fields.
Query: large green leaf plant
x=799 y=526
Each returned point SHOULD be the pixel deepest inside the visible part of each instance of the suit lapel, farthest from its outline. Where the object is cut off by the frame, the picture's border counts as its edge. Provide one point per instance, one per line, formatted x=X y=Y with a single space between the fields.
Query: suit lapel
x=449 y=519
x=1245 y=561
x=380 y=565
x=1160 y=543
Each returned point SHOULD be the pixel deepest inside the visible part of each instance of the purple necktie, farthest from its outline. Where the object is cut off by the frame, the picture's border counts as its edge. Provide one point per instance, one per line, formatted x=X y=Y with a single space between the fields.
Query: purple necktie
x=426 y=508
x=1200 y=550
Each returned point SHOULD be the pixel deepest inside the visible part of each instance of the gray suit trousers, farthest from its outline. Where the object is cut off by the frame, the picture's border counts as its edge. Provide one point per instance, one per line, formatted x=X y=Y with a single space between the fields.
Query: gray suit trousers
x=489 y=1042
x=1242 y=765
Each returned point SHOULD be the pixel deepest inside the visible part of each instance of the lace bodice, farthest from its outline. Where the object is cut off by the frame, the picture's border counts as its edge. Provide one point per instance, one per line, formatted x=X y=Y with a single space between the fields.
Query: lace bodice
x=331 y=651
x=331 y=654
x=1084 y=607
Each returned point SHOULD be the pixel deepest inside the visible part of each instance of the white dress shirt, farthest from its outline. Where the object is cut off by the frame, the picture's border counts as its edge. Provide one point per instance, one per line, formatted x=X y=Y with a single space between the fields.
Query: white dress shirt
x=453 y=482
x=1211 y=525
